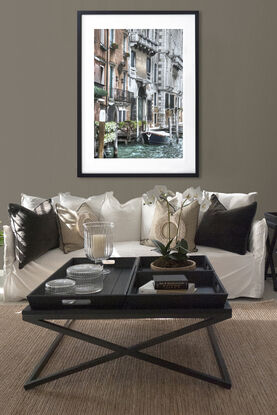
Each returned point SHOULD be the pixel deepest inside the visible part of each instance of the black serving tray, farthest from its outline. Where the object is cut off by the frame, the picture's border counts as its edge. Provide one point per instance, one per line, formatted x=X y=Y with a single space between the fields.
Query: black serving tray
x=210 y=292
x=113 y=294
x=121 y=288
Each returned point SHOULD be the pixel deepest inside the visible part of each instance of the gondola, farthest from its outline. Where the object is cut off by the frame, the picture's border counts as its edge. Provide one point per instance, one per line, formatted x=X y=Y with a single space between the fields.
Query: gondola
x=156 y=138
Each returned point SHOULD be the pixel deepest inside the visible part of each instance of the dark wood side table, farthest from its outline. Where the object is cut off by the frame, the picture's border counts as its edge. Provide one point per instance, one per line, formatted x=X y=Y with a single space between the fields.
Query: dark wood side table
x=271 y=220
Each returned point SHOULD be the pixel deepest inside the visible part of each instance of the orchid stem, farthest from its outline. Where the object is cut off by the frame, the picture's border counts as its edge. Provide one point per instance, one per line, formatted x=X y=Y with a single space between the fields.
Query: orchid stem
x=168 y=217
x=179 y=220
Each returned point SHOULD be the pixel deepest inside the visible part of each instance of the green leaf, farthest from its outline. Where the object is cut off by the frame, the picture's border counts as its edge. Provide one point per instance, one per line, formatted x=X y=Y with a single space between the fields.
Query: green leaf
x=183 y=250
x=160 y=247
x=168 y=244
x=184 y=243
x=158 y=244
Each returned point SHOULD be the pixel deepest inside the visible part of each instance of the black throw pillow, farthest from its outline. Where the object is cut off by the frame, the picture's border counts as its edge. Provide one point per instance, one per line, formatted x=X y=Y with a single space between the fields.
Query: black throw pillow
x=226 y=229
x=35 y=232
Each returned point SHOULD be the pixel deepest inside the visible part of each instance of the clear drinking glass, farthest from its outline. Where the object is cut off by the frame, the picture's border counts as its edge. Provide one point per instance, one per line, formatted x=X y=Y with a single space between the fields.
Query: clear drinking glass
x=98 y=241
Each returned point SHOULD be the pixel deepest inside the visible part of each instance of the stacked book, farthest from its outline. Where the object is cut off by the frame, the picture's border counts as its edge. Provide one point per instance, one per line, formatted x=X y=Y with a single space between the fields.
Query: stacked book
x=168 y=284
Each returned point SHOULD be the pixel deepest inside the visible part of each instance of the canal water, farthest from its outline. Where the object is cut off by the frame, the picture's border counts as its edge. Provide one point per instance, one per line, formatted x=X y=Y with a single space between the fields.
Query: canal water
x=138 y=150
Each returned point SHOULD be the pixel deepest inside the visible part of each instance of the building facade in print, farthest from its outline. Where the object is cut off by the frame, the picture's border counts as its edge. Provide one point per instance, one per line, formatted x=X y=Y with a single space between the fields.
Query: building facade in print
x=170 y=77
x=119 y=98
x=111 y=74
x=100 y=71
x=141 y=71
x=156 y=75
x=143 y=47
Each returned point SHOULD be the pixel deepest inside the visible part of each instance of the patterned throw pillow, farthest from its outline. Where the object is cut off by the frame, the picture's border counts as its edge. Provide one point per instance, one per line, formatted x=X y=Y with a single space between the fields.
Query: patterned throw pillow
x=71 y=226
x=187 y=224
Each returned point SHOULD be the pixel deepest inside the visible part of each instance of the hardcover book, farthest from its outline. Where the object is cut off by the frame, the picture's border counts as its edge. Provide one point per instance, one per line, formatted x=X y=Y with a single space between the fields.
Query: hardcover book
x=148 y=288
x=170 y=282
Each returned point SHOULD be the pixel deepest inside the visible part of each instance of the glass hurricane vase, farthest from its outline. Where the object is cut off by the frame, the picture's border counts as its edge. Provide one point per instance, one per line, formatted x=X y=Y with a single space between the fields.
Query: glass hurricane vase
x=98 y=241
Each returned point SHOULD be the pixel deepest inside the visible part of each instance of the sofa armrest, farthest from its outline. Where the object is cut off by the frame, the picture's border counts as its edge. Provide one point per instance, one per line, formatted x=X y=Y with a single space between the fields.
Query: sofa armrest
x=257 y=240
x=9 y=255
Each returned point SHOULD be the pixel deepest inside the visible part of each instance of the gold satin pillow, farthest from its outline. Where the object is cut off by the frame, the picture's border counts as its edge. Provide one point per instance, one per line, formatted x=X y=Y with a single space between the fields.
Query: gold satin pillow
x=71 y=226
x=187 y=229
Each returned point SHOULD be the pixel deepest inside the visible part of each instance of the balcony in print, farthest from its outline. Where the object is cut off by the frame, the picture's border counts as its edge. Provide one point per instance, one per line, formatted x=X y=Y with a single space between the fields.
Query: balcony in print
x=121 y=95
x=177 y=62
x=138 y=41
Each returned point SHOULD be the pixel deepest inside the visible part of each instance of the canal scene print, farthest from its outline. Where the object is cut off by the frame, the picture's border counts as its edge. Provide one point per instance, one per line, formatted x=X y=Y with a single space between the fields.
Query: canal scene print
x=138 y=94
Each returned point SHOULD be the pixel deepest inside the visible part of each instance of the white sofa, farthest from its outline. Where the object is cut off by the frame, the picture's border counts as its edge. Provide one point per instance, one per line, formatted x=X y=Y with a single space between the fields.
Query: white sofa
x=242 y=275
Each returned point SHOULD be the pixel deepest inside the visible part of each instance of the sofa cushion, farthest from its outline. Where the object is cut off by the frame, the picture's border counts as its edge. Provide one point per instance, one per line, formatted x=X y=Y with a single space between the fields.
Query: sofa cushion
x=187 y=224
x=35 y=232
x=147 y=215
x=232 y=200
x=226 y=229
x=71 y=226
x=31 y=202
x=235 y=200
x=74 y=202
x=126 y=217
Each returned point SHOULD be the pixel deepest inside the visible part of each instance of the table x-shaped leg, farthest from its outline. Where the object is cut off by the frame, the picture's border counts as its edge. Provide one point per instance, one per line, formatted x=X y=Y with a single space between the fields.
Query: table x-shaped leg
x=134 y=351
x=269 y=259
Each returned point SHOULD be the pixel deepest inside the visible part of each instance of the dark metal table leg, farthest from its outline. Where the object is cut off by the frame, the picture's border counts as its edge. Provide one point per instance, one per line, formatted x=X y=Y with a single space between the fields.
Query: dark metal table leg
x=134 y=351
x=219 y=358
x=44 y=360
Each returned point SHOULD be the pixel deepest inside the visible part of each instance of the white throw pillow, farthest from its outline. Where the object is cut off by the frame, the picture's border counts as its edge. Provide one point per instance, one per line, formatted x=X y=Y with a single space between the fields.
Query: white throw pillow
x=235 y=200
x=126 y=217
x=74 y=202
x=147 y=215
x=31 y=202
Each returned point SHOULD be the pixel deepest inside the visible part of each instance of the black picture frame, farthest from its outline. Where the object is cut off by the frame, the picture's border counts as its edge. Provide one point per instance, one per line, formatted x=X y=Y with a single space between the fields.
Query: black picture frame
x=80 y=172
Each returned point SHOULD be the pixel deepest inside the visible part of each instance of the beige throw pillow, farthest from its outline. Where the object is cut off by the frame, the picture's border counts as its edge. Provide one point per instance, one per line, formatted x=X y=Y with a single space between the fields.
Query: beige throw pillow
x=188 y=224
x=71 y=226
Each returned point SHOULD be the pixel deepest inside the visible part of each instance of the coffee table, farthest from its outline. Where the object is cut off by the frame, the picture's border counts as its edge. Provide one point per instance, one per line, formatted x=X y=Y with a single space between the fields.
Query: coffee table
x=208 y=315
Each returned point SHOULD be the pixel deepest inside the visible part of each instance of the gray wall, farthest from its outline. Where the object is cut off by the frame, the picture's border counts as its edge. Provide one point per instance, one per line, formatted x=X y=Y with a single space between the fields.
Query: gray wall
x=238 y=127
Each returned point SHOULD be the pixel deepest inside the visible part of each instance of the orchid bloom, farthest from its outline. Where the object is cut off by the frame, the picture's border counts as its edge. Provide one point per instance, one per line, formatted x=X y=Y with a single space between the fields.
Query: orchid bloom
x=149 y=198
x=159 y=192
x=206 y=202
x=193 y=194
x=202 y=197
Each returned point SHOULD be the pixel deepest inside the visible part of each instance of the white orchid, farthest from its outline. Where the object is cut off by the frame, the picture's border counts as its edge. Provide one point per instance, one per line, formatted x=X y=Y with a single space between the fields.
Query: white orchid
x=192 y=194
x=159 y=189
x=149 y=198
x=206 y=202
x=173 y=204
x=198 y=194
x=160 y=192
x=202 y=197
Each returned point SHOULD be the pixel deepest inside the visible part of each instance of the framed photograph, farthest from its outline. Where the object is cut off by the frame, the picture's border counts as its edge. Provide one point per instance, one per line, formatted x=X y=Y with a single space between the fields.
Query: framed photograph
x=137 y=93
